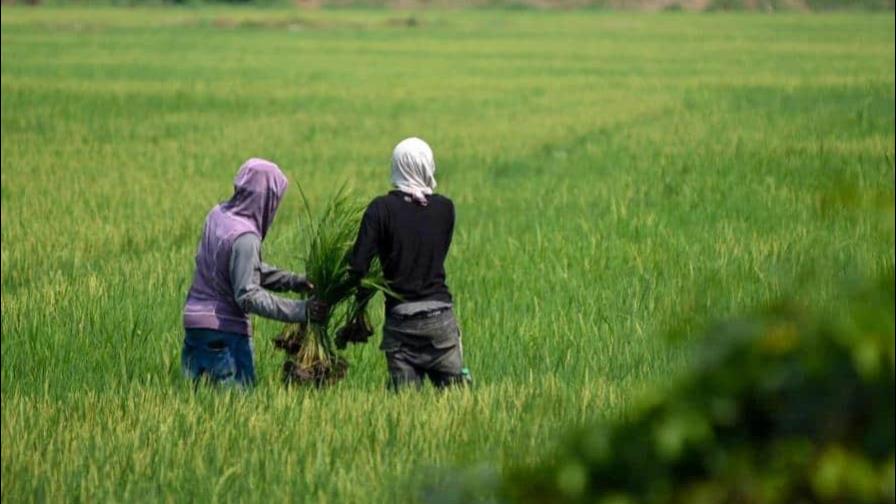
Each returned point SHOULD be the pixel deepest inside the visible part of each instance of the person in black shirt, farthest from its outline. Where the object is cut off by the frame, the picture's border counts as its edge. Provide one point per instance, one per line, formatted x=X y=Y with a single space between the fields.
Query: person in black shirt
x=409 y=230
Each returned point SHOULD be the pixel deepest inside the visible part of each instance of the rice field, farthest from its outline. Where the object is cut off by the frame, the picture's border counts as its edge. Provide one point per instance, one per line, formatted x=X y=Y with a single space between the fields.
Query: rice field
x=618 y=178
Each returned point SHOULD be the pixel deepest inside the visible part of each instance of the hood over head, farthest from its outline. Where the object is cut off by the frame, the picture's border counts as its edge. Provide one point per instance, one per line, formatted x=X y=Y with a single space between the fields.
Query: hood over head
x=257 y=190
x=413 y=169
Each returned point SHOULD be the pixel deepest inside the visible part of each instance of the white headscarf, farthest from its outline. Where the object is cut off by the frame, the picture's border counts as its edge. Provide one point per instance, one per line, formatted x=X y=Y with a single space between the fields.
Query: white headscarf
x=413 y=169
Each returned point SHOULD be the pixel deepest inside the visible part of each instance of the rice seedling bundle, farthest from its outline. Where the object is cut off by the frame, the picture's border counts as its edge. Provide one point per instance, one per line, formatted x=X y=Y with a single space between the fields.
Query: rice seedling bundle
x=311 y=349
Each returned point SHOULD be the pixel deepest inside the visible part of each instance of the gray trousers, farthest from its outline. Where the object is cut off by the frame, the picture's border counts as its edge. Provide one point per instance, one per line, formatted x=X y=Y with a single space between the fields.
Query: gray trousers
x=427 y=345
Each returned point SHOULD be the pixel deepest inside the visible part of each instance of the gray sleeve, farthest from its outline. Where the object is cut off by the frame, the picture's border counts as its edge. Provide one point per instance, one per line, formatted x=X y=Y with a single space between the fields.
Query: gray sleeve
x=245 y=279
x=275 y=279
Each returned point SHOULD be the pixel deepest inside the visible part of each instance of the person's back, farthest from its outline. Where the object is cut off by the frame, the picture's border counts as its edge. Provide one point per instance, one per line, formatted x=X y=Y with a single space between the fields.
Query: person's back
x=410 y=231
x=211 y=302
x=413 y=243
x=231 y=281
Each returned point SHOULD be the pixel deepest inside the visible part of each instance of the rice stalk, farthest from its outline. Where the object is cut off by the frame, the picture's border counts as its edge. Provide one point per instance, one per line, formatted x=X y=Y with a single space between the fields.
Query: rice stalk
x=312 y=356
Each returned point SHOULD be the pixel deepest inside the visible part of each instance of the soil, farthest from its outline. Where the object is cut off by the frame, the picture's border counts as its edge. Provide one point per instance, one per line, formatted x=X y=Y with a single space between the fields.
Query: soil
x=319 y=374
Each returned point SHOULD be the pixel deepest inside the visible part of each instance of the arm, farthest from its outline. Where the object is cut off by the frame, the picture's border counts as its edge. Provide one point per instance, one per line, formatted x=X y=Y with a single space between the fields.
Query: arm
x=364 y=250
x=246 y=281
x=278 y=280
x=450 y=229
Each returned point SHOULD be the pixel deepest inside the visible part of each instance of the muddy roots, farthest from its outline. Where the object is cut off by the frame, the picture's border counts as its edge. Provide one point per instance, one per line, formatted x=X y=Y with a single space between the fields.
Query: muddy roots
x=309 y=361
x=358 y=330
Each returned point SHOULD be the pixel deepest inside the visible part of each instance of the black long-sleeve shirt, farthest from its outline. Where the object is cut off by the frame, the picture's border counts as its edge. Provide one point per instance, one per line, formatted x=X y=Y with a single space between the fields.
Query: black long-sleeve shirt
x=411 y=241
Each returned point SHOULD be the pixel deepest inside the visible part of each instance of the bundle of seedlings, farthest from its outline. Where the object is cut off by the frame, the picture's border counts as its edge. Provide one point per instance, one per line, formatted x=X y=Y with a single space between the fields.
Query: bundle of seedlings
x=311 y=353
x=357 y=327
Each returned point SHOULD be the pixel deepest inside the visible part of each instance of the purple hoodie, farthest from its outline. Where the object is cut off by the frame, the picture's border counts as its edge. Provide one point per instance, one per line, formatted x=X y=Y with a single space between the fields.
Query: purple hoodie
x=258 y=189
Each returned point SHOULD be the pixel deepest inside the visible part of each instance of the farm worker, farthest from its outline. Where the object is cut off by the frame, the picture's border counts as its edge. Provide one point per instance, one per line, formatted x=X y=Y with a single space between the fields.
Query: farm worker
x=410 y=230
x=231 y=281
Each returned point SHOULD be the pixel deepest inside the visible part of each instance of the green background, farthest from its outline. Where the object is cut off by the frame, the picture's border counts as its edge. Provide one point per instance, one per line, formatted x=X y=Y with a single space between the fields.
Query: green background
x=616 y=176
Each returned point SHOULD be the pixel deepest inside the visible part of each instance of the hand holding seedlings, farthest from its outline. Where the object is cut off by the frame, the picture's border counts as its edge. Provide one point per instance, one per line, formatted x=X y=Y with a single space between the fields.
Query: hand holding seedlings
x=311 y=357
x=318 y=311
x=358 y=330
x=302 y=285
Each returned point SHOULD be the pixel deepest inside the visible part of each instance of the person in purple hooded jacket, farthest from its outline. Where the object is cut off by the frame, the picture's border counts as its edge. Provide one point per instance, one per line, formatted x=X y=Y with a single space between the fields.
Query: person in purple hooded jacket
x=231 y=281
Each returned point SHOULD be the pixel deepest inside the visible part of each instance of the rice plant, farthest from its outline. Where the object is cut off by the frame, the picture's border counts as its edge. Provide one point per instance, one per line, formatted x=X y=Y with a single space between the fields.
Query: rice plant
x=310 y=347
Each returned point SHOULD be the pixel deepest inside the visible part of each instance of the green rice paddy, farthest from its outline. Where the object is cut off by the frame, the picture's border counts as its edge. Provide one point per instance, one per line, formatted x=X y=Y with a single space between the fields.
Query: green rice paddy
x=617 y=177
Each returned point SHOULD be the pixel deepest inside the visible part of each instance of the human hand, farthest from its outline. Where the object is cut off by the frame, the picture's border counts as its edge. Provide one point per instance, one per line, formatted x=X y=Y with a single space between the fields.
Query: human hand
x=317 y=310
x=358 y=330
x=302 y=284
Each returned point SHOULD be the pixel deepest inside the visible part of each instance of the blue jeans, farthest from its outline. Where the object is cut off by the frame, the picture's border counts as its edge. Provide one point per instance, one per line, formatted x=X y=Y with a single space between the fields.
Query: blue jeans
x=221 y=357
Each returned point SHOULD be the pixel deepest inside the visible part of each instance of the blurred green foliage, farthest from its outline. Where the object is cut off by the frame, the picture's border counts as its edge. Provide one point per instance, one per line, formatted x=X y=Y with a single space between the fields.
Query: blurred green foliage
x=787 y=406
